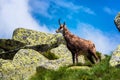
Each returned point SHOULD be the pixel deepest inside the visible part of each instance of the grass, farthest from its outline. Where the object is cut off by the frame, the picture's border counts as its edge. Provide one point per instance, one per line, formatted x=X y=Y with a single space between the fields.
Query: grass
x=100 y=71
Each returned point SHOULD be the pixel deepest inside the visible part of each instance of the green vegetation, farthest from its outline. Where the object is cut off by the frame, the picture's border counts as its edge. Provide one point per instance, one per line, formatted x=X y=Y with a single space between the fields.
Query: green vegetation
x=100 y=71
x=50 y=55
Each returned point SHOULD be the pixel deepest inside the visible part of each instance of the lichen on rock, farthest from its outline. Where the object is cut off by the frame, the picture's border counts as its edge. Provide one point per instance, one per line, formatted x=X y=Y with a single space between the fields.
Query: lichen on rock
x=117 y=21
x=23 y=65
x=64 y=58
x=115 y=58
x=33 y=50
x=31 y=37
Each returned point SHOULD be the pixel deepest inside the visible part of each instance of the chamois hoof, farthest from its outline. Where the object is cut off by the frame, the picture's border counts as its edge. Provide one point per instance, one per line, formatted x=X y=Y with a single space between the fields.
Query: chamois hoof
x=97 y=61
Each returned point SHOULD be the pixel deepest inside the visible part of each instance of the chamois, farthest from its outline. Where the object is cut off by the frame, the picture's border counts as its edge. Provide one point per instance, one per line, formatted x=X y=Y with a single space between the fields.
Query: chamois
x=77 y=45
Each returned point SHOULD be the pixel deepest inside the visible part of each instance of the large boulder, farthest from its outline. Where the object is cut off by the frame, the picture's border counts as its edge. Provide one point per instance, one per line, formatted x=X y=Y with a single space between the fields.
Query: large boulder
x=117 y=21
x=64 y=58
x=31 y=37
x=115 y=59
x=28 y=49
x=23 y=65
x=63 y=52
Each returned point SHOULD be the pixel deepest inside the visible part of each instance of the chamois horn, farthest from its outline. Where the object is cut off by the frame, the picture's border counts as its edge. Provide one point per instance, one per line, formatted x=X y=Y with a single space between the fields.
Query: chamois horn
x=64 y=24
x=59 y=21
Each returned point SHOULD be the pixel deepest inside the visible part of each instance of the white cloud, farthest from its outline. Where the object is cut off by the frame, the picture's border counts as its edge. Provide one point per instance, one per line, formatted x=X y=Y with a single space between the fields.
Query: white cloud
x=41 y=7
x=88 y=10
x=74 y=7
x=14 y=14
x=103 y=42
x=109 y=10
x=68 y=5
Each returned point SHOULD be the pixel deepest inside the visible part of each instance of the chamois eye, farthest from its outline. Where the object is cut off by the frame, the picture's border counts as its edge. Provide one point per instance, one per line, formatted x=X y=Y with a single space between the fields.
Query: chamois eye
x=61 y=27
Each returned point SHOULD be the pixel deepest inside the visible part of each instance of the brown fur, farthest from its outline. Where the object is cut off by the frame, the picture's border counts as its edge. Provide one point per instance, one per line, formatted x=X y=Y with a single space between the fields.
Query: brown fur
x=77 y=45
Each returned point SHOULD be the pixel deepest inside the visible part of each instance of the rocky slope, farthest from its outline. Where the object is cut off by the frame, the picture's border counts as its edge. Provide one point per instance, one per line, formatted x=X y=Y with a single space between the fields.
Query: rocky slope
x=27 y=50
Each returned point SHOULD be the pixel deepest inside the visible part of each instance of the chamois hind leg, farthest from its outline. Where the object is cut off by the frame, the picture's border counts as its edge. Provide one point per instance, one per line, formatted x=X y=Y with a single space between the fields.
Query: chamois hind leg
x=95 y=56
x=76 y=56
x=89 y=56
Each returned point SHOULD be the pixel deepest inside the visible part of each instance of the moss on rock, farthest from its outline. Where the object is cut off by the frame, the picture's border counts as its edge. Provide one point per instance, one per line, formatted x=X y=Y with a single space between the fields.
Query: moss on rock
x=50 y=55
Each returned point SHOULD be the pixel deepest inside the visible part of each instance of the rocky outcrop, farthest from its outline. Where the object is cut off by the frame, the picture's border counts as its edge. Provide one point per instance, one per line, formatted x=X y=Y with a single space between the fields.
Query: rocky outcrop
x=31 y=37
x=30 y=50
x=115 y=59
x=23 y=66
x=63 y=52
x=64 y=58
x=117 y=21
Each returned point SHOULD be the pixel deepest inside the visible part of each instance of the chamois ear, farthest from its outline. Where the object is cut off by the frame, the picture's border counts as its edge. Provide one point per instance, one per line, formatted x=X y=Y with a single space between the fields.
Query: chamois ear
x=59 y=22
x=64 y=24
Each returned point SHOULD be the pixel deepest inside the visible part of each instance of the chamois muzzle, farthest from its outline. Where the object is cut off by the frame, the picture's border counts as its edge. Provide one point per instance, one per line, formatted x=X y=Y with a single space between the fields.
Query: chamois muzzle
x=57 y=31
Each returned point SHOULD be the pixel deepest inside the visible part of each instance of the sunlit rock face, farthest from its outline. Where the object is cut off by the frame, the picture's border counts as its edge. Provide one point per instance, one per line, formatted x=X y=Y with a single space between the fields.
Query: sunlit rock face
x=117 y=21
x=115 y=59
x=31 y=37
x=23 y=65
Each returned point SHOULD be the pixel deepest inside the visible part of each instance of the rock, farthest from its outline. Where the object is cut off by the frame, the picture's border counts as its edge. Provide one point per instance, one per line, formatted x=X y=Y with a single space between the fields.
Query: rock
x=103 y=56
x=31 y=37
x=28 y=56
x=23 y=65
x=117 y=21
x=115 y=58
x=6 y=69
x=62 y=52
x=79 y=67
x=64 y=58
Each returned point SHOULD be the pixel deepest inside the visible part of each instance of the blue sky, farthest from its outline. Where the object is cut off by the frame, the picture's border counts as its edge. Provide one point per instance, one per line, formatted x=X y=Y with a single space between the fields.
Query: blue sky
x=89 y=19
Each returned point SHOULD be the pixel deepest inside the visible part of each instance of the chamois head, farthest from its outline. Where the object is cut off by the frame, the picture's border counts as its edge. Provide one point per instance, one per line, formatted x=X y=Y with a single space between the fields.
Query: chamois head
x=61 y=26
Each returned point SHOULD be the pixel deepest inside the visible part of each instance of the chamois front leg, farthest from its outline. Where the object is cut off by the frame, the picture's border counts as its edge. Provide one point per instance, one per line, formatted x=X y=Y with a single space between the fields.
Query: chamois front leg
x=96 y=58
x=93 y=53
x=76 y=56
x=73 y=58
